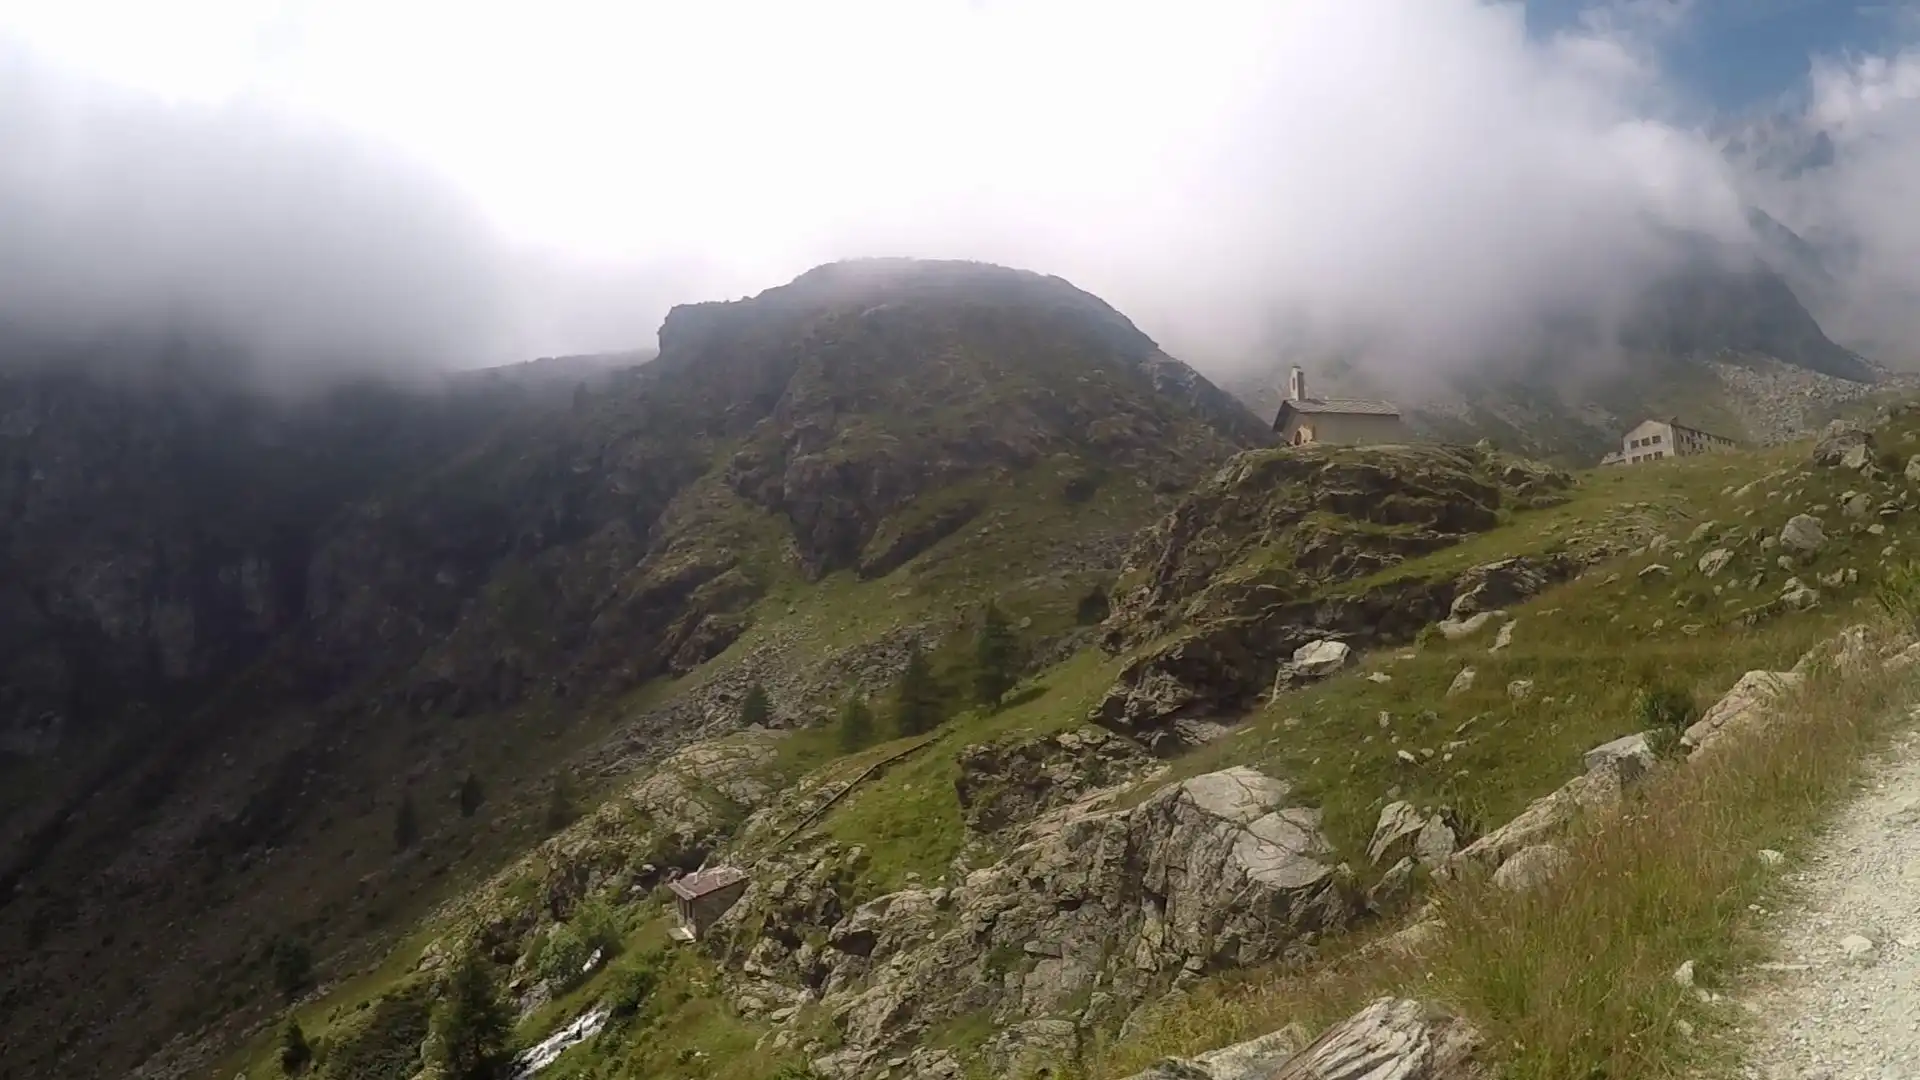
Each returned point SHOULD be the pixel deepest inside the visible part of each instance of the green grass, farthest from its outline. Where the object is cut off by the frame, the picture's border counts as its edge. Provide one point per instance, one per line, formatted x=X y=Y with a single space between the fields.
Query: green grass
x=909 y=818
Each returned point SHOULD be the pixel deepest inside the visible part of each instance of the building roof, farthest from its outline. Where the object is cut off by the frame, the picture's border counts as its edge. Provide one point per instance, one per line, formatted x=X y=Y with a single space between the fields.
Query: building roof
x=698 y=884
x=1345 y=406
x=1674 y=421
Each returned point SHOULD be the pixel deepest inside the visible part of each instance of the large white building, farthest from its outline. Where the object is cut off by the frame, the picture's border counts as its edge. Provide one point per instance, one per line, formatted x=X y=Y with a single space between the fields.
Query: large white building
x=1652 y=440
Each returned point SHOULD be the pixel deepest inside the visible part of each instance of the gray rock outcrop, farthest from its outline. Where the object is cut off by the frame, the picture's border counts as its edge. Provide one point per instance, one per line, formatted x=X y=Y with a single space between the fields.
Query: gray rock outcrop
x=1391 y=1039
x=1745 y=707
x=1210 y=873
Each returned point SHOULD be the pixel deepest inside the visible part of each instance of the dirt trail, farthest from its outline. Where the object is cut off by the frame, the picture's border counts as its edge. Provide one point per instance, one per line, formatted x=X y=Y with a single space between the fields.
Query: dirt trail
x=1844 y=998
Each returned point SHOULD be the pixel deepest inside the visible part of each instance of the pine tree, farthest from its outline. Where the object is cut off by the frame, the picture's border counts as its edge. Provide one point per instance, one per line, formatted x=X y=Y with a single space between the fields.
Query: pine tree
x=856 y=724
x=757 y=709
x=471 y=796
x=471 y=1023
x=406 y=822
x=295 y=1054
x=916 y=697
x=996 y=657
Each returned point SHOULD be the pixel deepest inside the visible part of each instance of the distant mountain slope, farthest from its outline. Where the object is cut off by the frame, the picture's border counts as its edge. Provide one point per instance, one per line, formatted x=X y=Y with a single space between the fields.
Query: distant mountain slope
x=250 y=631
x=1714 y=342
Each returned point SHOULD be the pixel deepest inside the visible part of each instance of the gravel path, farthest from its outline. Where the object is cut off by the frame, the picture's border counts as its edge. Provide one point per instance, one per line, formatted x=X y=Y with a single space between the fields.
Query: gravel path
x=1844 y=998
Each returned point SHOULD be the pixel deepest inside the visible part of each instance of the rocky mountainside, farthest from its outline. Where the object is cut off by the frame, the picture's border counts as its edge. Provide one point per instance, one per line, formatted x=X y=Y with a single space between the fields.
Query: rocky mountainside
x=246 y=636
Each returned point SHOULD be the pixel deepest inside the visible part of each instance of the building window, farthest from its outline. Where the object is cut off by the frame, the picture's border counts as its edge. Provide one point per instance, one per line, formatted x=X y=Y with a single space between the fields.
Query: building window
x=1659 y=453
x=1655 y=440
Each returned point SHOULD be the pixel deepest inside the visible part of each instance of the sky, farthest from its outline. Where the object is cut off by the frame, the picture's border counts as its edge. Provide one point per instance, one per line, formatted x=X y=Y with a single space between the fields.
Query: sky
x=404 y=183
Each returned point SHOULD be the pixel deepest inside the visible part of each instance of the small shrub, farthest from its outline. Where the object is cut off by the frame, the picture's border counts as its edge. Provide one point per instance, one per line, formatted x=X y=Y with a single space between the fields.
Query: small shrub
x=600 y=925
x=1664 y=742
x=1898 y=594
x=1666 y=707
x=1428 y=635
x=562 y=957
x=632 y=982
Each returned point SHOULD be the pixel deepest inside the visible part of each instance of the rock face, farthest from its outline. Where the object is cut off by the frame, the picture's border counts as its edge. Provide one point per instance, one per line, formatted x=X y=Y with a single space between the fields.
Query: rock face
x=1391 y=1039
x=1003 y=785
x=1242 y=573
x=1210 y=873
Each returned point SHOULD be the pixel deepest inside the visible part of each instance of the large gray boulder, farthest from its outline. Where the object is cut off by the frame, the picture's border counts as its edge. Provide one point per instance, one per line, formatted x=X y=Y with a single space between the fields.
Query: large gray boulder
x=1321 y=658
x=1844 y=445
x=1803 y=534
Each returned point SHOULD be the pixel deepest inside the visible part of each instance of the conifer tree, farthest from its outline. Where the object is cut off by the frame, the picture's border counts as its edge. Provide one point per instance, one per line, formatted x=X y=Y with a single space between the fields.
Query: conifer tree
x=757 y=709
x=996 y=659
x=294 y=1051
x=471 y=1023
x=916 y=697
x=406 y=823
x=471 y=795
x=856 y=723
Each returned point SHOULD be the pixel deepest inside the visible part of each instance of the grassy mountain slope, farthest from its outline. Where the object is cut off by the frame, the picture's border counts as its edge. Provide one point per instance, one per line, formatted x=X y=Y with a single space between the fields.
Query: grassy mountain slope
x=1643 y=617
x=566 y=586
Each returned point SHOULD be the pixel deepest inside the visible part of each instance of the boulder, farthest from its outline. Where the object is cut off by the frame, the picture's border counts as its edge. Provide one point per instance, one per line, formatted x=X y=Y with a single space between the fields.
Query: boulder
x=1857 y=505
x=1631 y=755
x=1392 y=887
x=1455 y=629
x=1391 y=1039
x=1503 y=639
x=1394 y=834
x=1715 y=561
x=1803 y=534
x=1255 y=1059
x=1529 y=868
x=1744 y=707
x=1844 y=445
x=1462 y=682
x=1849 y=652
x=1437 y=841
x=1594 y=791
x=1913 y=468
x=1520 y=689
x=1801 y=598
x=1321 y=658
x=1492 y=586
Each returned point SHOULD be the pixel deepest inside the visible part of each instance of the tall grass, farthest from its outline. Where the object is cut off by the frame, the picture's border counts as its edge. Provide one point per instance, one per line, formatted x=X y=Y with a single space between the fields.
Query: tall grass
x=1573 y=980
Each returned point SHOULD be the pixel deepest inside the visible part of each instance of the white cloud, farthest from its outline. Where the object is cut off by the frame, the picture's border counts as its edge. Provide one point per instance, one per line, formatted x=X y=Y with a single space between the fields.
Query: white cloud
x=1420 y=173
